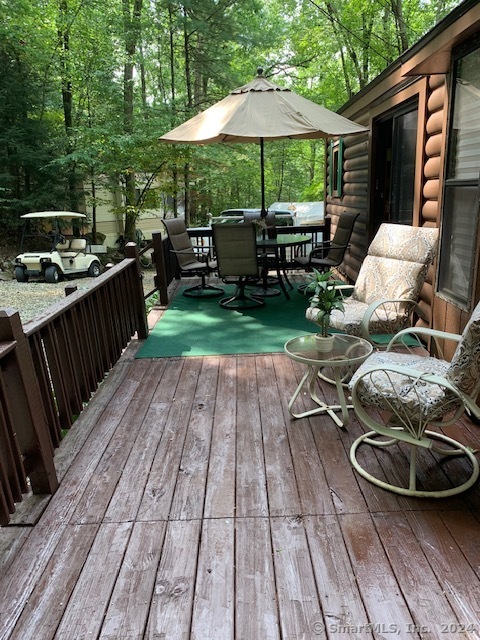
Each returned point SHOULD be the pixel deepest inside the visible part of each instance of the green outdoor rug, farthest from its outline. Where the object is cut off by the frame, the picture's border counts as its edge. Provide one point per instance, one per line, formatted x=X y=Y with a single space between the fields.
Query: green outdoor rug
x=200 y=327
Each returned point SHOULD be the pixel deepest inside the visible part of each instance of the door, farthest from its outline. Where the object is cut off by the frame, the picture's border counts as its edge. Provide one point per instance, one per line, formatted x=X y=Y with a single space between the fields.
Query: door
x=395 y=140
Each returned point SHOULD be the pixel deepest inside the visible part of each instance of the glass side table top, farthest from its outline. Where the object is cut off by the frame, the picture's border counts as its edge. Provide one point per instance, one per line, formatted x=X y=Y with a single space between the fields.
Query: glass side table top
x=345 y=349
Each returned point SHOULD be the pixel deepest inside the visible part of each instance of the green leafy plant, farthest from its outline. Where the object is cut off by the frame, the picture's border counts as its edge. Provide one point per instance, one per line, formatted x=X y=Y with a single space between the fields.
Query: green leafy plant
x=326 y=298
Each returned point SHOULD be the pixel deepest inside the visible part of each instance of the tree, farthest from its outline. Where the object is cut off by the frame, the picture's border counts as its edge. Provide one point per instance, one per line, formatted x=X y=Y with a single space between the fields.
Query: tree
x=132 y=10
x=30 y=137
x=87 y=88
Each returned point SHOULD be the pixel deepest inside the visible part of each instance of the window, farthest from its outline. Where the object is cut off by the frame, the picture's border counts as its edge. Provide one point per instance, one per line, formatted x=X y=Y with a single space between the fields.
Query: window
x=461 y=194
x=336 y=168
x=403 y=166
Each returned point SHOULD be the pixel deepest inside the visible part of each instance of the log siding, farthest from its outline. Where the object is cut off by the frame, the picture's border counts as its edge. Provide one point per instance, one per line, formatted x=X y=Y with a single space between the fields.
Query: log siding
x=422 y=71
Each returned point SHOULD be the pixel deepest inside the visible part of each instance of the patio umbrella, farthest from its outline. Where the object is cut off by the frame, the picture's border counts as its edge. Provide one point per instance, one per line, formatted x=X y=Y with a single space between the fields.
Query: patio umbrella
x=259 y=111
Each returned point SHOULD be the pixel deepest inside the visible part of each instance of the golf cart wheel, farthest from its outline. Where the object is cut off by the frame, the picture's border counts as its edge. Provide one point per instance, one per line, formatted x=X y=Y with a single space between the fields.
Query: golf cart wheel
x=21 y=274
x=51 y=274
x=94 y=270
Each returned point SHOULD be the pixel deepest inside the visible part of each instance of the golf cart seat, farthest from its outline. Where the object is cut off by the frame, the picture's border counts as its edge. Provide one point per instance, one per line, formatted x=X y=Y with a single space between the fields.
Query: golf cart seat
x=63 y=246
x=77 y=245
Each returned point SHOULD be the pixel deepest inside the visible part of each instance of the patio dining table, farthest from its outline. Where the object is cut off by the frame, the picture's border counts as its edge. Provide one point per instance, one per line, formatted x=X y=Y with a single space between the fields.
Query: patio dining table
x=287 y=236
x=276 y=247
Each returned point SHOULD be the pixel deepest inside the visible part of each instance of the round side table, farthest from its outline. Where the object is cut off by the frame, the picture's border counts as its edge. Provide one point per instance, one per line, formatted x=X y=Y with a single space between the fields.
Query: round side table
x=346 y=352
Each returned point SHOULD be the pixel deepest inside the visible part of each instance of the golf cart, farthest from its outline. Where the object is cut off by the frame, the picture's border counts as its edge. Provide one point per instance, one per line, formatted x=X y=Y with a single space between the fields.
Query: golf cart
x=55 y=256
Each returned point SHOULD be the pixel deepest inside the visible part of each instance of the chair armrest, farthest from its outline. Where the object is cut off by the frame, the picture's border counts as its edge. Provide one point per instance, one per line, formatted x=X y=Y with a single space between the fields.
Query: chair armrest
x=202 y=256
x=323 y=247
x=454 y=402
x=345 y=287
x=388 y=321
x=423 y=331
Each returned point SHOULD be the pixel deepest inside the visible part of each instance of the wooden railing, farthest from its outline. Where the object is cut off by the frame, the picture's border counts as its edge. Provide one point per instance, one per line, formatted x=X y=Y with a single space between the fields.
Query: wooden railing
x=51 y=366
x=165 y=264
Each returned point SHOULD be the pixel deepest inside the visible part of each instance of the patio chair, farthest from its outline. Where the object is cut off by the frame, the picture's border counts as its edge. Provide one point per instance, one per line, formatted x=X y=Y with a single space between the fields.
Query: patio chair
x=191 y=262
x=413 y=392
x=330 y=253
x=384 y=298
x=270 y=259
x=236 y=251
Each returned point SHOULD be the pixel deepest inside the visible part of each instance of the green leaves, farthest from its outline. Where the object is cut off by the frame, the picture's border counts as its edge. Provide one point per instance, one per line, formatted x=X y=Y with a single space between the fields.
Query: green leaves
x=326 y=297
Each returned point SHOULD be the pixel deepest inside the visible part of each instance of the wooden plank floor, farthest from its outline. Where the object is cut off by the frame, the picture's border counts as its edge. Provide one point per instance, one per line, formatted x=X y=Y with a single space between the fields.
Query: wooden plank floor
x=192 y=506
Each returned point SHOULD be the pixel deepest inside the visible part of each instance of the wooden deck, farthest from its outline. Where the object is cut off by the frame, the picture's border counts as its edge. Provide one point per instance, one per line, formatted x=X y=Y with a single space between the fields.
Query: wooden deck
x=192 y=505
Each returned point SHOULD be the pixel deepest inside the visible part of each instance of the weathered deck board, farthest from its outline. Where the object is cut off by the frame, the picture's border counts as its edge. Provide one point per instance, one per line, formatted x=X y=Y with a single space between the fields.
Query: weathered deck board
x=335 y=577
x=193 y=506
x=282 y=490
x=214 y=601
x=376 y=577
x=417 y=579
x=172 y=597
x=88 y=603
x=256 y=614
x=189 y=495
x=127 y=613
x=251 y=482
x=453 y=572
x=220 y=493
x=46 y=605
x=298 y=600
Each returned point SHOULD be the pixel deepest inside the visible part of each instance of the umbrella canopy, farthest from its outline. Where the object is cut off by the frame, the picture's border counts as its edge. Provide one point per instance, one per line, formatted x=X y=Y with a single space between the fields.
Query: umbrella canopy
x=54 y=214
x=258 y=111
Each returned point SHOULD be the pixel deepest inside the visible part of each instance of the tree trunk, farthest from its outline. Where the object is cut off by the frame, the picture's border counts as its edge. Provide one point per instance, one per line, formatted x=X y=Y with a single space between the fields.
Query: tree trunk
x=172 y=88
x=188 y=84
x=401 y=26
x=131 y=23
x=67 y=97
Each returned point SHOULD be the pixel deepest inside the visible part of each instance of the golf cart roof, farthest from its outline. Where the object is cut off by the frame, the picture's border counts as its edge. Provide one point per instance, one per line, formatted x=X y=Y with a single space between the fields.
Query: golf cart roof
x=53 y=214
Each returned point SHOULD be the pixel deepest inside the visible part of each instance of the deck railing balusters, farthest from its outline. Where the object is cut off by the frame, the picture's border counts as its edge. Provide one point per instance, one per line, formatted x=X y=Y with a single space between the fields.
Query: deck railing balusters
x=50 y=366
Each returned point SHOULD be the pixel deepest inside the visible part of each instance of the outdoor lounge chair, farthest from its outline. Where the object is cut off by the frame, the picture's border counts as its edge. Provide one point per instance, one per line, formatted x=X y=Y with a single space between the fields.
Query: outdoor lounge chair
x=236 y=251
x=190 y=262
x=414 y=392
x=330 y=253
x=384 y=298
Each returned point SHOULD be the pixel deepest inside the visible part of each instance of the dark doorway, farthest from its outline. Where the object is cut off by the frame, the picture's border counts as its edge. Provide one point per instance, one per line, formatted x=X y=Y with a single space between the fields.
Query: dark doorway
x=395 y=140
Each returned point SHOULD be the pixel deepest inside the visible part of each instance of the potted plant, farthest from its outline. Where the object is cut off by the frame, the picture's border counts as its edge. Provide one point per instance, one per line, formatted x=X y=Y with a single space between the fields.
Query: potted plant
x=325 y=299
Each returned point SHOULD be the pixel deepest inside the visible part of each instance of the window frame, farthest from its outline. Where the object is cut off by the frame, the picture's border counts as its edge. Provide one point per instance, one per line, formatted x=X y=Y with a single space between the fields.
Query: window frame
x=450 y=185
x=336 y=168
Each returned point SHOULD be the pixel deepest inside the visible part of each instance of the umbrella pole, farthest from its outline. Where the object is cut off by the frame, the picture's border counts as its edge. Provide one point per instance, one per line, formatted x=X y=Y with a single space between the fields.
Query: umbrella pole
x=262 y=178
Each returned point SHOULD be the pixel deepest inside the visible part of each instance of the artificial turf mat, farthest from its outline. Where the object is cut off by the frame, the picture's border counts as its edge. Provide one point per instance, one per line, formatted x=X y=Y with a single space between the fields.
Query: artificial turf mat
x=200 y=327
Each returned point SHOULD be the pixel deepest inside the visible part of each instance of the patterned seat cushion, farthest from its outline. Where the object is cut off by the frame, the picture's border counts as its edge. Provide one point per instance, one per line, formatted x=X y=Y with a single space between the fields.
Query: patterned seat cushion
x=395 y=268
x=464 y=369
x=388 y=278
x=411 y=244
x=386 y=319
x=405 y=395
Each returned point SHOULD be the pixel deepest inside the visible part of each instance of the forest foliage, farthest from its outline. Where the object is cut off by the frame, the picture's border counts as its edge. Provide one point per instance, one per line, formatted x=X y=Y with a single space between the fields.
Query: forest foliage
x=88 y=86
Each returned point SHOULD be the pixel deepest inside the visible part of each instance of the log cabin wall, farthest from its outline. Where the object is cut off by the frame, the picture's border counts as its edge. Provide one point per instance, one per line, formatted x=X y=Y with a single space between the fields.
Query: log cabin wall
x=359 y=159
x=425 y=69
x=433 y=169
x=354 y=198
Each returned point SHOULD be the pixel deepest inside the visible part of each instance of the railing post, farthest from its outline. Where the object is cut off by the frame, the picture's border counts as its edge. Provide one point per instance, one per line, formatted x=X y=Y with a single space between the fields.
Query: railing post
x=161 y=279
x=131 y=251
x=26 y=408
